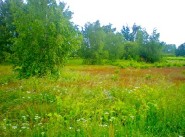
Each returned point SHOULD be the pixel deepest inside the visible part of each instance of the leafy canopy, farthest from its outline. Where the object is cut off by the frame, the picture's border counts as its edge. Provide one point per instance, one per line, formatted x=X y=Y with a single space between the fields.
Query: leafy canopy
x=46 y=37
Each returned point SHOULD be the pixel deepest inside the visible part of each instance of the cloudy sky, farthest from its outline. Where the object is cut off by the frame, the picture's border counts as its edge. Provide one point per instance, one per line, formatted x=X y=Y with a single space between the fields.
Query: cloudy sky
x=167 y=16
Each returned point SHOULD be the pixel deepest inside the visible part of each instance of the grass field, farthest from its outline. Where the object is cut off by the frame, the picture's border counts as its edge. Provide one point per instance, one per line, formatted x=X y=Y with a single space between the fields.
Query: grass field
x=95 y=101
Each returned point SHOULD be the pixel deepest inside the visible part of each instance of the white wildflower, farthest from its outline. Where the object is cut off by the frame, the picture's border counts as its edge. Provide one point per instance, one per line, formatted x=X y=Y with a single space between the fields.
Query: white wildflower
x=132 y=117
x=14 y=127
x=23 y=127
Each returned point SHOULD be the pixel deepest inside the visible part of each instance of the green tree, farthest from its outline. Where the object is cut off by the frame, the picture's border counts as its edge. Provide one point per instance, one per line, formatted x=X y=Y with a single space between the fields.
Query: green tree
x=151 y=50
x=181 y=50
x=114 y=43
x=168 y=49
x=125 y=31
x=45 y=39
x=131 y=51
x=128 y=35
x=7 y=31
x=93 y=45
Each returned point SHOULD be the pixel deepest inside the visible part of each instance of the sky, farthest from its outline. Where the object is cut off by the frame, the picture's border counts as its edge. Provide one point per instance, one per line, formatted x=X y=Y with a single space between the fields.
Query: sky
x=167 y=16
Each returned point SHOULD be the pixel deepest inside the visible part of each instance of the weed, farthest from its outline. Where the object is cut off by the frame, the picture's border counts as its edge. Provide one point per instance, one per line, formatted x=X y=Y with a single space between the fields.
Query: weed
x=94 y=101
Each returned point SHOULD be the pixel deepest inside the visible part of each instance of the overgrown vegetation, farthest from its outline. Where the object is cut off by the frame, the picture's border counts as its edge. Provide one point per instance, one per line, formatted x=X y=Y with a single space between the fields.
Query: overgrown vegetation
x=138 y=90
x=37 y=36
x=94 y=101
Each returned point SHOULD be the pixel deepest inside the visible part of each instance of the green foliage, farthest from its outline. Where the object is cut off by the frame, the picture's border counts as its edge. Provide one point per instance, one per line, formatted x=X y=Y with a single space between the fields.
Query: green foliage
x=101 y=43
x=43 y=37
x=126 y=33
x=46 y=37
x=114 y=45
x=7 y=31
x=92 y=48
x=181 y=50
x=90 y=104
x=151 y=51
x=131 y=51
x=140 y=45
x=168 y=49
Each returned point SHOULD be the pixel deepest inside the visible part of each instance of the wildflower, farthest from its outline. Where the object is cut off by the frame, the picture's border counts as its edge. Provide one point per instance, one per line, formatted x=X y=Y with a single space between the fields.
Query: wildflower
x=25 y=124
x=39 y=124
x=132 y=117
x=24 y=117
x=112 y=119
x=83 y=119
x=42 y=133
x=105 y=125
x=106 y=113
x=23 y=127
x=37 y=117
x=28 y=92
x=107 y=93
x=78 y=130
x=14 y=127
x=70 y=127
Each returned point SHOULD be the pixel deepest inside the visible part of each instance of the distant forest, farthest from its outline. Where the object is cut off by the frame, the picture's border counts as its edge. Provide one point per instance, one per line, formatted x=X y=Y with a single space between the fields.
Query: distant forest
x=37 y=37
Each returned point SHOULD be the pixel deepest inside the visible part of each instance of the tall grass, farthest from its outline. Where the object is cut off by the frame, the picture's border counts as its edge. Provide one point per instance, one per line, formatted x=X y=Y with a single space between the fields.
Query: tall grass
x=93 y=101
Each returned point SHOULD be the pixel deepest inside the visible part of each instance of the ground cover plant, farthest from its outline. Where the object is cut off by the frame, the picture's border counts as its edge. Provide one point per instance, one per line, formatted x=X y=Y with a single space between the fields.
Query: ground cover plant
x=94 y=101
x=134 y=88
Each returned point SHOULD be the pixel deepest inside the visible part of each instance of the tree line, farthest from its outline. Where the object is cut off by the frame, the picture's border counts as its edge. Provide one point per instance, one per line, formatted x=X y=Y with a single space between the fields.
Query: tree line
x=37 y=37
x=103 y=42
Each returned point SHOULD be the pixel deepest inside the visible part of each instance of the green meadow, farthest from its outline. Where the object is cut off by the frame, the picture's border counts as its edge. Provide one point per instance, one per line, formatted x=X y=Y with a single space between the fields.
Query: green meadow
x=120 y=99
x=61 y=79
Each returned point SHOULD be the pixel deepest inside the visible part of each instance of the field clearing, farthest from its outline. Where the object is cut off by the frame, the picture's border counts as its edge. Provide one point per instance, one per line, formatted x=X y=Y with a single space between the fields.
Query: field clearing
x=94 y=101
